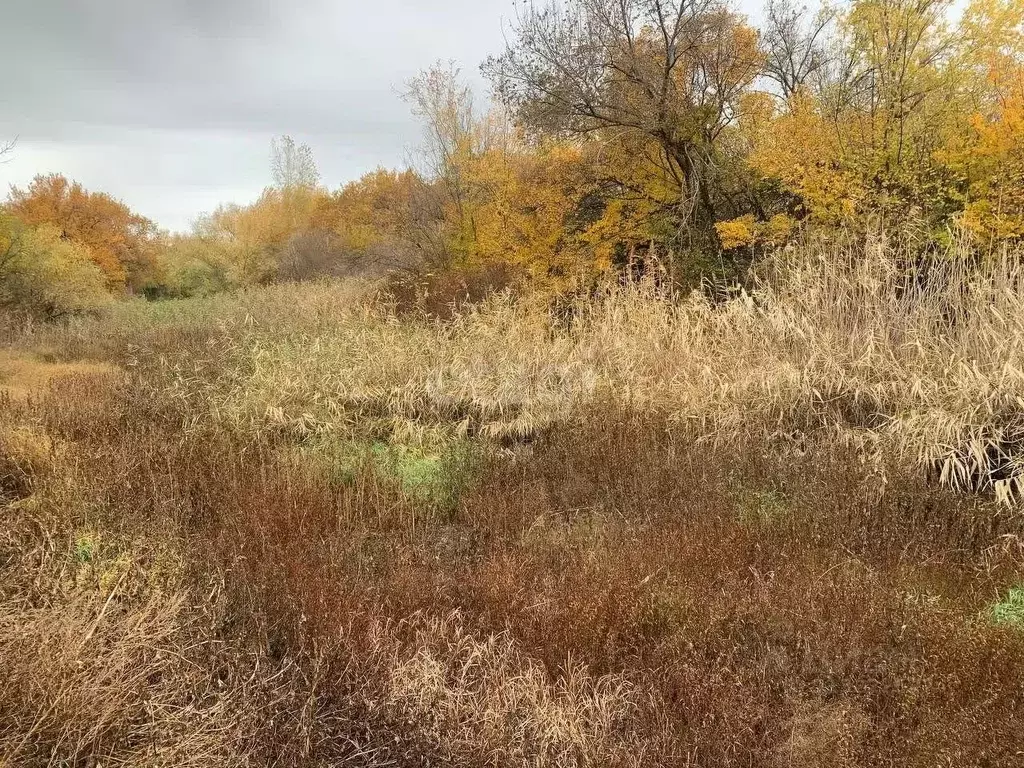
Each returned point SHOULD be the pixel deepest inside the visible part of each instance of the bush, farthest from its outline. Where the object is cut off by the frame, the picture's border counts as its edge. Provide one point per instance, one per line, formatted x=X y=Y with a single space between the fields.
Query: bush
x=444 y=293
x=42 y=274
x=193 y=266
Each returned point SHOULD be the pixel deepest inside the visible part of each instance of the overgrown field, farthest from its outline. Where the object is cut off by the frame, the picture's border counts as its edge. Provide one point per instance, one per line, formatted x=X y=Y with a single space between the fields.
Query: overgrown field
x=312 y=525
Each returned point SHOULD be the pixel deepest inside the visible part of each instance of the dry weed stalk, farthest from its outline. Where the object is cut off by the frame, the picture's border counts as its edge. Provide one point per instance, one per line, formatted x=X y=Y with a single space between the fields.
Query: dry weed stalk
x=928 y=359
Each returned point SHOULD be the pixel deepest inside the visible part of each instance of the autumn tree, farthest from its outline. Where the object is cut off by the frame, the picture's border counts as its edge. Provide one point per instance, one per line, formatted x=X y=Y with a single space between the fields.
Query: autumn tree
x=897 y=87
x=531 y=208
x=662 y=75
x=990 y=159
x=386 y=220
x=246 y=239
x=195 y=263
x=505 y=199
x=45 y=274
x=445 y=106
x=296 y=181
x=262 y=241
x=120 y=242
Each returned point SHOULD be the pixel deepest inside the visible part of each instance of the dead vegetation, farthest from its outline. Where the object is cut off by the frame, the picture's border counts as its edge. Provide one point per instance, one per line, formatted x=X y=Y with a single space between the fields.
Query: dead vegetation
x=718 y=547
x=918 y=358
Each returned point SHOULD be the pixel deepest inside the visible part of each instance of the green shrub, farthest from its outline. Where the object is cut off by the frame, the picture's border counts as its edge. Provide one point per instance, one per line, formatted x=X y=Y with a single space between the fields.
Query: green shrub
x=45 y=275
x=194 y=266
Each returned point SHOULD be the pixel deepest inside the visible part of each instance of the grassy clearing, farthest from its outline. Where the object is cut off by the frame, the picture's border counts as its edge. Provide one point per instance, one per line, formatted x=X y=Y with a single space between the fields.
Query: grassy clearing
x=301 y=529
x=22 y=373
x=434 y=475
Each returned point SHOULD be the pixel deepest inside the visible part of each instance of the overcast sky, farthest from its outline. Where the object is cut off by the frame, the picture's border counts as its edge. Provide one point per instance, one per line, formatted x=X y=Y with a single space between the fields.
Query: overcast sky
x=170 y=105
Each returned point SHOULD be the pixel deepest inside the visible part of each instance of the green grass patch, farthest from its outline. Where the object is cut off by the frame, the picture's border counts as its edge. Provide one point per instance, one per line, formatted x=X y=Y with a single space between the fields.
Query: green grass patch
x=434 y=476
x=1010 y=610
x=760 y=506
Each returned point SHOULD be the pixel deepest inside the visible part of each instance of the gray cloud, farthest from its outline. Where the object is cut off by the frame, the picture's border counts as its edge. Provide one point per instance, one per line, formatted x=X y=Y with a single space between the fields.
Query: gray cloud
x=171 y=104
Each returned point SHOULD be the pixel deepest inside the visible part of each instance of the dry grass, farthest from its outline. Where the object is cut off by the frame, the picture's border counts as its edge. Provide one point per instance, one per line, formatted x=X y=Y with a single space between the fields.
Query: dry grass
x=716 y=547
x=480 y=702
x=616 y=595
x=22 y=373
x=924 y=361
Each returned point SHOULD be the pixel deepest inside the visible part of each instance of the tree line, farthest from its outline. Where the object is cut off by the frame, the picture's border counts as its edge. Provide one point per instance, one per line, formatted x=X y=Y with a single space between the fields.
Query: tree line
x=666 y=135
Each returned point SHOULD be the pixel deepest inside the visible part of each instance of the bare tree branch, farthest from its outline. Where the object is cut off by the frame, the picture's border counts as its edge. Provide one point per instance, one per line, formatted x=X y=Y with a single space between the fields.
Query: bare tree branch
x=666 y=71
x=795 y=44
x=6 y=148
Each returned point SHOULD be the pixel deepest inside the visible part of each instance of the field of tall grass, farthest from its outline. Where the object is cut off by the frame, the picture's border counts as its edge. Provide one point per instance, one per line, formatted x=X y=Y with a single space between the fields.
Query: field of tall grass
x=316 y=524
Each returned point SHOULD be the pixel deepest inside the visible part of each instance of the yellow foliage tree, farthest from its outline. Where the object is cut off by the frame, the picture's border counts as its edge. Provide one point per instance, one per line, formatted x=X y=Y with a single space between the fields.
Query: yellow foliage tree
x=523 y=201
x=991 y=159
x=43 y=273
x=800 y=148
x=871 y=132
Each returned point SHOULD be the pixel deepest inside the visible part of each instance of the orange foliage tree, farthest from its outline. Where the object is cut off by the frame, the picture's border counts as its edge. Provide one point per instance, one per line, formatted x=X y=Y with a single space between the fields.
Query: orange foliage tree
x=120 y=242
x=385 y=219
